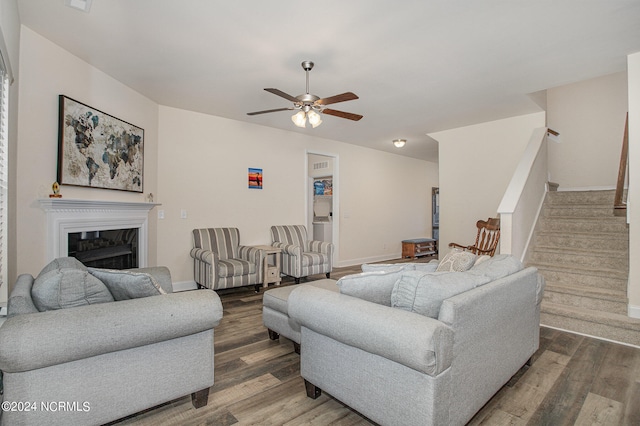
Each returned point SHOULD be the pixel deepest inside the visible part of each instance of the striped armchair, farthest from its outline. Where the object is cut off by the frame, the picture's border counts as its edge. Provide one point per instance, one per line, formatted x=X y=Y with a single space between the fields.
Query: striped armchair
x=221 y=262
x=301 y=257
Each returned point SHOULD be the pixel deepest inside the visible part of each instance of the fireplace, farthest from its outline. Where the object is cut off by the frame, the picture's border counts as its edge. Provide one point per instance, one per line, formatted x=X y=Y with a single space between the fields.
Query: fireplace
x=110 y=234
x=113 y=249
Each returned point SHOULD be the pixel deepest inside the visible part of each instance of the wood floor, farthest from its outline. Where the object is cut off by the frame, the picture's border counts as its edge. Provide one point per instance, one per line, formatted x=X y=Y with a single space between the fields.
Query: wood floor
x=573 y=380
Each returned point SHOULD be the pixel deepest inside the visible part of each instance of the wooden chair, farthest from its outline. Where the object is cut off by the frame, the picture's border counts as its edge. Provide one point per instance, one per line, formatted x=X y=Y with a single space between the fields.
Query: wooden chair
x=487 y=238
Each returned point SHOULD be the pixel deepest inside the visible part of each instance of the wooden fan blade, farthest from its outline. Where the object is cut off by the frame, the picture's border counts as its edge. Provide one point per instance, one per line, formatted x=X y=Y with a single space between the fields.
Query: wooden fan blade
x=269 y=110
x=347 y=96
x=282 y=95
x=342 y=114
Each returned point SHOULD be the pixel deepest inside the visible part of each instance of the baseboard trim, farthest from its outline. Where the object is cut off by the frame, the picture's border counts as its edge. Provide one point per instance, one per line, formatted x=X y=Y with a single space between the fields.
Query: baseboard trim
x=586 y=188
x=589 y=335
x=371 y=259
x=634 y=311
x=184 y=286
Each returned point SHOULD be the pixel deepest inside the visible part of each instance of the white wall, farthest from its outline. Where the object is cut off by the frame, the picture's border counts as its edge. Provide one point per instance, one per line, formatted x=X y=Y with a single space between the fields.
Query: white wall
x=199 y=163
x=633 y=70
x=476 y=166
x=203 y=162
x=47 y=71
x=590 y=117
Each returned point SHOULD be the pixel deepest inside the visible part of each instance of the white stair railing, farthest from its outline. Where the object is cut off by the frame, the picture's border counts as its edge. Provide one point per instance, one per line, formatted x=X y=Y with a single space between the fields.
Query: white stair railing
x=522 y=201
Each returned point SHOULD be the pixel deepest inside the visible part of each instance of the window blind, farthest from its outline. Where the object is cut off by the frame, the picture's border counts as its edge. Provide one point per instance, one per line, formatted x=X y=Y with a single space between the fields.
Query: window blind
x=4 y=122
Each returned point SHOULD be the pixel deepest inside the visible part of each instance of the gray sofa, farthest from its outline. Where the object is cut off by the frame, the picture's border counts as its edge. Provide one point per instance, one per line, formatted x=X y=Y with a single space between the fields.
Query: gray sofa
x=93 y=361
x=450 y=342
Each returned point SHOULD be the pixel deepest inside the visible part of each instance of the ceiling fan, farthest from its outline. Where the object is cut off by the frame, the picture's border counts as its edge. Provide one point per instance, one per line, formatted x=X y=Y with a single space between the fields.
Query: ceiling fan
x=311 y=106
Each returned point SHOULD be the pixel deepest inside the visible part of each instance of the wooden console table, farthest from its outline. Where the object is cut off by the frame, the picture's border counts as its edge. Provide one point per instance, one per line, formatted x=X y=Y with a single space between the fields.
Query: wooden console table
x=419 y=247
x=270 y=272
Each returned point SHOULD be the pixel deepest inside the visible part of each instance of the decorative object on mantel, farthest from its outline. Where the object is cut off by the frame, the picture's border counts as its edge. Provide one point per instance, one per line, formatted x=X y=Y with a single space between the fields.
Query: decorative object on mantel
x=56 y=191
x=98 y=150
x=255 y=178
x=150 y=197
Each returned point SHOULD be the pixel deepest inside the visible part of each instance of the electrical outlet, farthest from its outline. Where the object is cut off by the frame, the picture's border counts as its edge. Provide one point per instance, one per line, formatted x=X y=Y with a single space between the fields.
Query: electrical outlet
x=160 y=214
x=183 y=214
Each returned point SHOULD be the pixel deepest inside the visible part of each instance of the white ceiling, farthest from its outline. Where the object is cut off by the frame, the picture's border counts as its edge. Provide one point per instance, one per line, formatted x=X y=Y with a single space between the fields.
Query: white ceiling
x=418 y=66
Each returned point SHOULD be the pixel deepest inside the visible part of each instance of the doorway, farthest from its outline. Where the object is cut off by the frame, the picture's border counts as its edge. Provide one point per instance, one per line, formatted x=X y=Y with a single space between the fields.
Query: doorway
x=322 y=204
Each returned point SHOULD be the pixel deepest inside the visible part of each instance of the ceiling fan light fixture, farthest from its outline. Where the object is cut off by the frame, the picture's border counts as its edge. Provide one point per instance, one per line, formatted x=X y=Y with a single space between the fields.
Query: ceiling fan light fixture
x=299 y=119
x=399 y=143
x=315 y=119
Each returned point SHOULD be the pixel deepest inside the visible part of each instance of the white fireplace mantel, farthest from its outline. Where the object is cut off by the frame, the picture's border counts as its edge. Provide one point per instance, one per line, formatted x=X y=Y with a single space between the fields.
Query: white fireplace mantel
x=66 y=216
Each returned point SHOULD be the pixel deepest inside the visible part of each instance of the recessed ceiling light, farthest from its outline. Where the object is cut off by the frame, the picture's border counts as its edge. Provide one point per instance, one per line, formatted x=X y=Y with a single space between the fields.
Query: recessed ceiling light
x=83 y=5
x=399 y=143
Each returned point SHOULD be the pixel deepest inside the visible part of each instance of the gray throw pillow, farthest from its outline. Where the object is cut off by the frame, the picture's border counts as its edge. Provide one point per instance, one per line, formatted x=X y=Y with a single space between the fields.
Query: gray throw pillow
x=68 y=288
x=423 y=293
x=373 y=287
x=63 y=263
x=125 y=285
x=498 y=266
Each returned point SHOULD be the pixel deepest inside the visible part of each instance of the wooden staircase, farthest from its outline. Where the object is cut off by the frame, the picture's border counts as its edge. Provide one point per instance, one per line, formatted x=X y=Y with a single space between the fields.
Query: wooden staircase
x=582 y=250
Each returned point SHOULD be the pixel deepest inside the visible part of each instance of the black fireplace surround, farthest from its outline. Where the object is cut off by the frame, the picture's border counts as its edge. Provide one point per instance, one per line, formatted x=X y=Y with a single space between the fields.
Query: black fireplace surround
x=113 y=249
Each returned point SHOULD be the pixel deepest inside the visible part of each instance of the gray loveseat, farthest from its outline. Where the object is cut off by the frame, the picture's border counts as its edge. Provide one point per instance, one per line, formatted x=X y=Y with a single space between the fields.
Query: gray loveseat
x=92 y=360
x=449 y=344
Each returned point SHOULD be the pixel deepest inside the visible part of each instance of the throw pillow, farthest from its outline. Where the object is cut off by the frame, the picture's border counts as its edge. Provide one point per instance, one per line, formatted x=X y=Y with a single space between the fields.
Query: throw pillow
x=498 y=266
x=423 y=293
x=373 y=287
x=456 y=261
x=68 y=288
x=481 y=259
x=63 y=263
x=125 y=284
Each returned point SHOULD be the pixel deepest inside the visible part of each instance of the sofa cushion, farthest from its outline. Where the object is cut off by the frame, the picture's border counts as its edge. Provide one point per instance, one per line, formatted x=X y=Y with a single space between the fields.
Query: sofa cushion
x=406 y=266
x=423 y=293
x=378 y=267
x=498 y=266
x=125 y=285
x=374 y=286
x=63 y=263
x=427 y=267
x=67 y=288
x=456 y=261
x=277 y=298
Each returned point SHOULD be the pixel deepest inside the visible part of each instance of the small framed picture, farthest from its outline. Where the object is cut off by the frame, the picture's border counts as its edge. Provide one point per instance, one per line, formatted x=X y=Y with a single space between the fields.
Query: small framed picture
x=255 y=178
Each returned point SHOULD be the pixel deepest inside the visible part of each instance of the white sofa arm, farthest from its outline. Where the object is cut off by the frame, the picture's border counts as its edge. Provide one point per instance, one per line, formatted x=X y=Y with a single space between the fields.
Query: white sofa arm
x=413 y=340
x=42 y=339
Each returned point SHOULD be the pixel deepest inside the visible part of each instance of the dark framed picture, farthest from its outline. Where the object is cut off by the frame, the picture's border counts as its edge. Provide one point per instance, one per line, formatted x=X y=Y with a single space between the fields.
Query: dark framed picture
x=98 y=150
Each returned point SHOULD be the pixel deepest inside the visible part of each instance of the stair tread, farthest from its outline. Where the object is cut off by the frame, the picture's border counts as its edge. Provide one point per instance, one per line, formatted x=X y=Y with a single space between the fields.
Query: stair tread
x=585 y=235
x=614 y=219
x=580 y=290
x=590 y=315
x=576 y=251
x=582 y=270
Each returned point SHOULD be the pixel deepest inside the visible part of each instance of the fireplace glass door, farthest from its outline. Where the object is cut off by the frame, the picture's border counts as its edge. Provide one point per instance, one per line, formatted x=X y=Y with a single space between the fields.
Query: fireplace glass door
x=113 y=249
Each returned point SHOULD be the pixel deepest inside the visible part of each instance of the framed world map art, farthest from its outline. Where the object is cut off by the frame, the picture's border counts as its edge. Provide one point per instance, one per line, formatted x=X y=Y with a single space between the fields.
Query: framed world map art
x=98 y=150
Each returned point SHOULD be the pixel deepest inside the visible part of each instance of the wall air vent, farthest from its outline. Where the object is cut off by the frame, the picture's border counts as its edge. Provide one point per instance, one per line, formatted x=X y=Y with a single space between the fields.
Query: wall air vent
x=321 y=165
x=83 y=5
